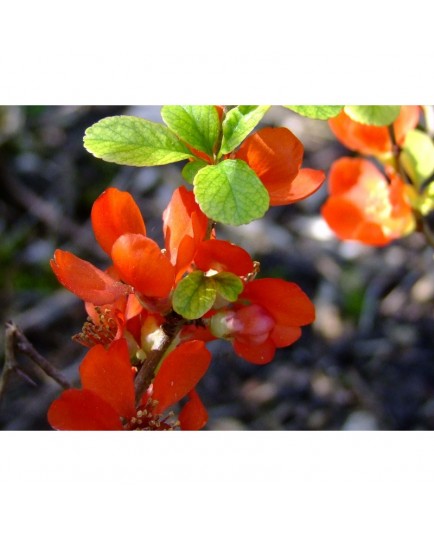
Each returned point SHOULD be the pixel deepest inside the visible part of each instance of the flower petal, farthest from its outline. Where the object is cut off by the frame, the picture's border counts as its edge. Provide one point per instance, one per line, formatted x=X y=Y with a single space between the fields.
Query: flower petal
x=285 y=301
x=184 y=226
x=346 y=172
x=275 y=155
x=113 y=214
x=85 y=280
x=80 y=409
x=342 y=216
x=223 y=256
x=258 y=354
x=285 y=335
x=306 y=183
x=141 y=263
x=272 y=153
x=179 y=373
x=108 y=374
x=193 y=415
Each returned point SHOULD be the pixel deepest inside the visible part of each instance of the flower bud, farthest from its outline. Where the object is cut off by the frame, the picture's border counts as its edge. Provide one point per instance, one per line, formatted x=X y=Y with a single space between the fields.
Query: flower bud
x=251 y=324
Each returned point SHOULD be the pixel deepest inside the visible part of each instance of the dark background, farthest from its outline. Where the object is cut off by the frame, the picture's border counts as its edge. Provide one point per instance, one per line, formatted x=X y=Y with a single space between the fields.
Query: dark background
x=367 y=363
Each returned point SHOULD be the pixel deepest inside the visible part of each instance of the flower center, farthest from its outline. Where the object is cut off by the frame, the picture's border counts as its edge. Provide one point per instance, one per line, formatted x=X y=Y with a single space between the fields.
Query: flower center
x=101 y=332
x=146 y=420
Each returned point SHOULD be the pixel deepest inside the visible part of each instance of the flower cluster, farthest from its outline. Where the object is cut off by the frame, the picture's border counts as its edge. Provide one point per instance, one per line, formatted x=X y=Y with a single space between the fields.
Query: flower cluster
x=152 y=310
x=371 y=201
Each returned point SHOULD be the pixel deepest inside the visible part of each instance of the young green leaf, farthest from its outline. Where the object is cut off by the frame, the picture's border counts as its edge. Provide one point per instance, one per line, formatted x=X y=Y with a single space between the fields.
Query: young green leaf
x=230 y=192
x=238 y=124
x=199 y=126
x=134 y=141
x=228 y=285
x=417 y=156
x=316 y=112
x=191 y=168
x=378 y=116
x=194 y=295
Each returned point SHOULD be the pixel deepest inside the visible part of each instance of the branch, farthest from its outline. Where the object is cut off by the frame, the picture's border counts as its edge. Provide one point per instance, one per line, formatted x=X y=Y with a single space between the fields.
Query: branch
x=146 y=374
x=17 y=342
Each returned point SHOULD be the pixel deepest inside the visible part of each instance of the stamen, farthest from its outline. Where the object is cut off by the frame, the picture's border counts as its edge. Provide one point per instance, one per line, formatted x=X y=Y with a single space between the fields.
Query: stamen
x=146 y=420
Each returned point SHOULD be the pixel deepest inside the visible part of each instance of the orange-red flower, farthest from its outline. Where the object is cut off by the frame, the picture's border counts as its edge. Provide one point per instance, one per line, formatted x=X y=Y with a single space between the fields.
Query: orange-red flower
x=107 y=398
x=268 y=315
x=276 y=155
x=363 y=205
x=372 y=140
x=138 y=263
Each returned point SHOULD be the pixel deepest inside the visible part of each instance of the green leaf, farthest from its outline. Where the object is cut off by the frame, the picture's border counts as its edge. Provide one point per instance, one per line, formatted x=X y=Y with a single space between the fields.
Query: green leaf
x=417 y=156
x=194 y=295
x=316 y=112
x=425 y=202
x=134 y=141
x=378 y=116
x=231 y=193
x=191 y=168
x=238 y=124
x=228 y=285
x=199 y=126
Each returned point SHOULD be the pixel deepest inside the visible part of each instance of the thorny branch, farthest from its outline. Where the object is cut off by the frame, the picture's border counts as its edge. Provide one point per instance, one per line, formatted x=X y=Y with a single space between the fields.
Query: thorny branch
x=17 y=343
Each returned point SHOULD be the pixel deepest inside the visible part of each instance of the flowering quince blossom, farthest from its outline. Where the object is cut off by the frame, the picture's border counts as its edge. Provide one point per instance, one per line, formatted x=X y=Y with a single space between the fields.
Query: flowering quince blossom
x=275 y=154
x=363 y=205
x=137 y=260
x=372 y=140
x=107 y=398
x=268 y=315
x=138 y=263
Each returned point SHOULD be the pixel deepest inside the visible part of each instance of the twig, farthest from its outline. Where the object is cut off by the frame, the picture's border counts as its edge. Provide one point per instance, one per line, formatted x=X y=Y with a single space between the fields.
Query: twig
x=146 y=373
x=17 y=342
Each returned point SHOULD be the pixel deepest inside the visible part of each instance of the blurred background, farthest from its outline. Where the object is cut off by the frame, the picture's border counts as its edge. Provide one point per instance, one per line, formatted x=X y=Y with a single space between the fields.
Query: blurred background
x=367 y=363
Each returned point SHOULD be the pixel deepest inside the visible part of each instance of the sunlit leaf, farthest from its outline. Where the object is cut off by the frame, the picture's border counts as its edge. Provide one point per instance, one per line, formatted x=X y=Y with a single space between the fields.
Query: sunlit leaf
x=238 y=124
x=378 y=116
x=316 y=112
x=134 y=141
x=230 y=192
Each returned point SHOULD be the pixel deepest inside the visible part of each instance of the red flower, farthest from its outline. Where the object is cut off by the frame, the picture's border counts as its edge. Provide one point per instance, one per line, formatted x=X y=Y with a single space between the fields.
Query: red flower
x=268 y=315
x=276 y=155
x=137 y=260
x=364 y=206
x=107 y=399
x=372 y=140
